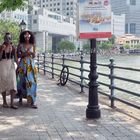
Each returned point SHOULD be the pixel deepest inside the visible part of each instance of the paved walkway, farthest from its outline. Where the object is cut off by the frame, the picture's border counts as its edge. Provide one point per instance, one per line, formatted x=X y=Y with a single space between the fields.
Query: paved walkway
x=61 y=116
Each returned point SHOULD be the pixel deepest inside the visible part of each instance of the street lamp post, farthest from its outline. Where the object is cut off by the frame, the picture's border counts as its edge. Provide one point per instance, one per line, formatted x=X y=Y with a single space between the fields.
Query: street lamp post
x=93 y=110
x=22 y=26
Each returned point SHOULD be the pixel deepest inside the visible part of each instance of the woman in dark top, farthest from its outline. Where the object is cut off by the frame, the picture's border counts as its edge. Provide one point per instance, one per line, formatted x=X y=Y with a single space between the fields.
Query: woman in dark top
x=8 y=84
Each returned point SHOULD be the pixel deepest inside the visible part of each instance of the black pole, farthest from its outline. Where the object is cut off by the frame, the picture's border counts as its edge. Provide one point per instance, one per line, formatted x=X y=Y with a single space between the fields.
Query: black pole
x=93 y=110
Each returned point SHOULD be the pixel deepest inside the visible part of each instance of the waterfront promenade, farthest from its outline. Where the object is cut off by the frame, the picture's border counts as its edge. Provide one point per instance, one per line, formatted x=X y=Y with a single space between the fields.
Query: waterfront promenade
x=61 y=115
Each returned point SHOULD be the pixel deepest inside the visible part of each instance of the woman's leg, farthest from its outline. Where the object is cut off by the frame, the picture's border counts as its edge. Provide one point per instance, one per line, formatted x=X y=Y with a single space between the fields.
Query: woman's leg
x=4 y=99
x=13 y=93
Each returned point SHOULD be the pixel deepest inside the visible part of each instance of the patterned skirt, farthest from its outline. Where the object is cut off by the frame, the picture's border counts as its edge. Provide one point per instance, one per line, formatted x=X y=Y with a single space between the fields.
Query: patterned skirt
x=26 y=79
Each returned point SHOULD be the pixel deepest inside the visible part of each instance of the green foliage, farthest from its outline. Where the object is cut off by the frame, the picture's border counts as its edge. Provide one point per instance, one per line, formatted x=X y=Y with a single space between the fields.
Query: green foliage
x=112 y=39
x=126 y=46
x=11 y=27
x=105 y=46
x=137 y=46
x=11 y=5
x=86 y=48
x=66 y=46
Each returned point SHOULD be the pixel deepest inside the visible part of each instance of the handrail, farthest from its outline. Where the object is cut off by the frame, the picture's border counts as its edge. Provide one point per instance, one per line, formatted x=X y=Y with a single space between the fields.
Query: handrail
x=77 y=75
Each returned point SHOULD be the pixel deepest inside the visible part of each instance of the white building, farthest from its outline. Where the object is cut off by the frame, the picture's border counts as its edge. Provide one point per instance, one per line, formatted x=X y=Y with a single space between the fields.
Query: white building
x=118 y=24
x=64 y=7
x=131 y=8
x=50 y=28
x=16 y=16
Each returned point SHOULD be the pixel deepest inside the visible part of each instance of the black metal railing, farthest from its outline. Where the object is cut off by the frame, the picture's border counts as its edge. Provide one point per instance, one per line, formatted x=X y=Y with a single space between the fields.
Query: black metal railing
x=78 y=74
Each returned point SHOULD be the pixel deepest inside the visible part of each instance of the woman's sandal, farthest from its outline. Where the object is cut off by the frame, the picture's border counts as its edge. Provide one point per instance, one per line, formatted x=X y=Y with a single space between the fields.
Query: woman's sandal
x=34 y=106
x=5 y=105
x=14 y=107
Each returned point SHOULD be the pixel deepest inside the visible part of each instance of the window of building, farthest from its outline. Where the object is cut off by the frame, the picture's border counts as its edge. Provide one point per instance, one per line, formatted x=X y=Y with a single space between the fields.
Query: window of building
x=132 y=2
x=71 y=3
x=34 y=21
x=35 y=12
x=126 y=28
x=132 y=28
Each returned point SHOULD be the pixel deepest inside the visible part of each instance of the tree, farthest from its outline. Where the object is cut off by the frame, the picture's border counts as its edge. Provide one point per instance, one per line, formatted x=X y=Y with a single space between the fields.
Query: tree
x=86 y=48
x=11 y=27
x=126 y=46
x=11 y=5
x=112 y=39
x=105 y=46
x=66 y=46
x=137 y=46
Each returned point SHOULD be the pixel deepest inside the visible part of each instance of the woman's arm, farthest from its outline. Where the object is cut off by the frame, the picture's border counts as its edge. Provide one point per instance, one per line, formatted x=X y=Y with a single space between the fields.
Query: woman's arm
x=15 y=55
x=34 y=51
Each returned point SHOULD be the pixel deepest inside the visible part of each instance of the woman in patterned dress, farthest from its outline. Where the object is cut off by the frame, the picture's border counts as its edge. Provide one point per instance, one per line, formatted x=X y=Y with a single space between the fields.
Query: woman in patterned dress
x=26 y=71
x=8 y=85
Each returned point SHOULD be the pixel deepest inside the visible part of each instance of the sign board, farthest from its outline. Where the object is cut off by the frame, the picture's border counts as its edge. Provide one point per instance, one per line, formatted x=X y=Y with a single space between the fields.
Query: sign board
x=94 y=19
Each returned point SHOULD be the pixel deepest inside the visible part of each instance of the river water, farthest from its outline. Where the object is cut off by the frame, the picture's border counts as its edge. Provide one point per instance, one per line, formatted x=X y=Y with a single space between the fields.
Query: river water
x=132 y=61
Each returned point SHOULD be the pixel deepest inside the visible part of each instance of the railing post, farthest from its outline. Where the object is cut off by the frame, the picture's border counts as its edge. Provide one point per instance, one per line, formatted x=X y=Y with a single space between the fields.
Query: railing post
x=38 y=61
x=52 y=65
x=111 y=66
x=82 y=73
x=63 y=60
x=44 y=61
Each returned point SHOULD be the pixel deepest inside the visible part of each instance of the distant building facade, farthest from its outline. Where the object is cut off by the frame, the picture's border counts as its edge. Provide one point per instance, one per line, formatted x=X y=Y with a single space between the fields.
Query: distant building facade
x=118 y=24
x=129 y=39
x=131 y=9
x=16 y=16
x=64 y=7
x=50 y=28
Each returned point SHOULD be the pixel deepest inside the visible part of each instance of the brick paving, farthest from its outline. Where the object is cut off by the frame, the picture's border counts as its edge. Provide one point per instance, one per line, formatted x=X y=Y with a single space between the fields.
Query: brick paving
x=61 y=116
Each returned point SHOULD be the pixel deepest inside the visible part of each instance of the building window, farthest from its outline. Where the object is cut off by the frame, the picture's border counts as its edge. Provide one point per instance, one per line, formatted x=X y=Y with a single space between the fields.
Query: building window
x=126 y=28
x=132 y=28
x=35 y=12
x=71 y=3
x=132 y=2
x=34 y=21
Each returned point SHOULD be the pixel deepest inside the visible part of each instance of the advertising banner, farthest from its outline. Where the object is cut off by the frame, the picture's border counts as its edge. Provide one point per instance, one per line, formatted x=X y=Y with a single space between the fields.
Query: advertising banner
x=94 y=19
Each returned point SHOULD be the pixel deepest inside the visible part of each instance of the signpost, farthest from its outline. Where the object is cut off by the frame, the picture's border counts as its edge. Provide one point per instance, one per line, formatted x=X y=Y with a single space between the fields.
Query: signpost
x=94 y=22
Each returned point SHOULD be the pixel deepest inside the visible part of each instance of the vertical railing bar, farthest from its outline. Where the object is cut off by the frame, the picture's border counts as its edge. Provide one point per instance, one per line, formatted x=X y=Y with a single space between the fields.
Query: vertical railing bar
x=82 y=73
x=112 y=85
x=52 y=65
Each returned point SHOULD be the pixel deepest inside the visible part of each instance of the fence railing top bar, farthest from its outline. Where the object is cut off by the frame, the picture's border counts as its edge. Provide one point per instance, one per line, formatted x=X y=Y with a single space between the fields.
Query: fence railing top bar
x=72 y=60
x=127 y=68
x=104 y=65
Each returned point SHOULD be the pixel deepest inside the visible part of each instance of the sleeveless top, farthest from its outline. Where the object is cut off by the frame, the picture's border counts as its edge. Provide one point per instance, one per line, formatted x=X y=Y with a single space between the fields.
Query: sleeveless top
x=9 y=55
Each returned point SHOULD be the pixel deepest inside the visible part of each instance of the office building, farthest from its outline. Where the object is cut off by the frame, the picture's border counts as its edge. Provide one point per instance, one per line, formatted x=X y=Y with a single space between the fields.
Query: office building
x=64 y=7
x=131 y=9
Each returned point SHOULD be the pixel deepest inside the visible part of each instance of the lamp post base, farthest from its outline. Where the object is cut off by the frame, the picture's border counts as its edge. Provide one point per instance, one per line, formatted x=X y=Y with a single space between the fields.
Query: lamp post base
x=93 y=113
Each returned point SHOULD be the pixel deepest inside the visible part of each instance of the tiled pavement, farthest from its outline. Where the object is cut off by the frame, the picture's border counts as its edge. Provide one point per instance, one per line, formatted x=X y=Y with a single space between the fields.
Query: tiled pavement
x=61 y=116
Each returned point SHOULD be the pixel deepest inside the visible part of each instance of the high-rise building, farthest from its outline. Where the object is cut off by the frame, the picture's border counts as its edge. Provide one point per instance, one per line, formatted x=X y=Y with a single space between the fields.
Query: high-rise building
x=64 y=7
x=131 y=9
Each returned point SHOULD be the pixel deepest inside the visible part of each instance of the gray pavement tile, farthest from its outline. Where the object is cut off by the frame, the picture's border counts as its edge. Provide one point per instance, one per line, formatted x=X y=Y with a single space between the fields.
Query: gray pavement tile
x=61 y=116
